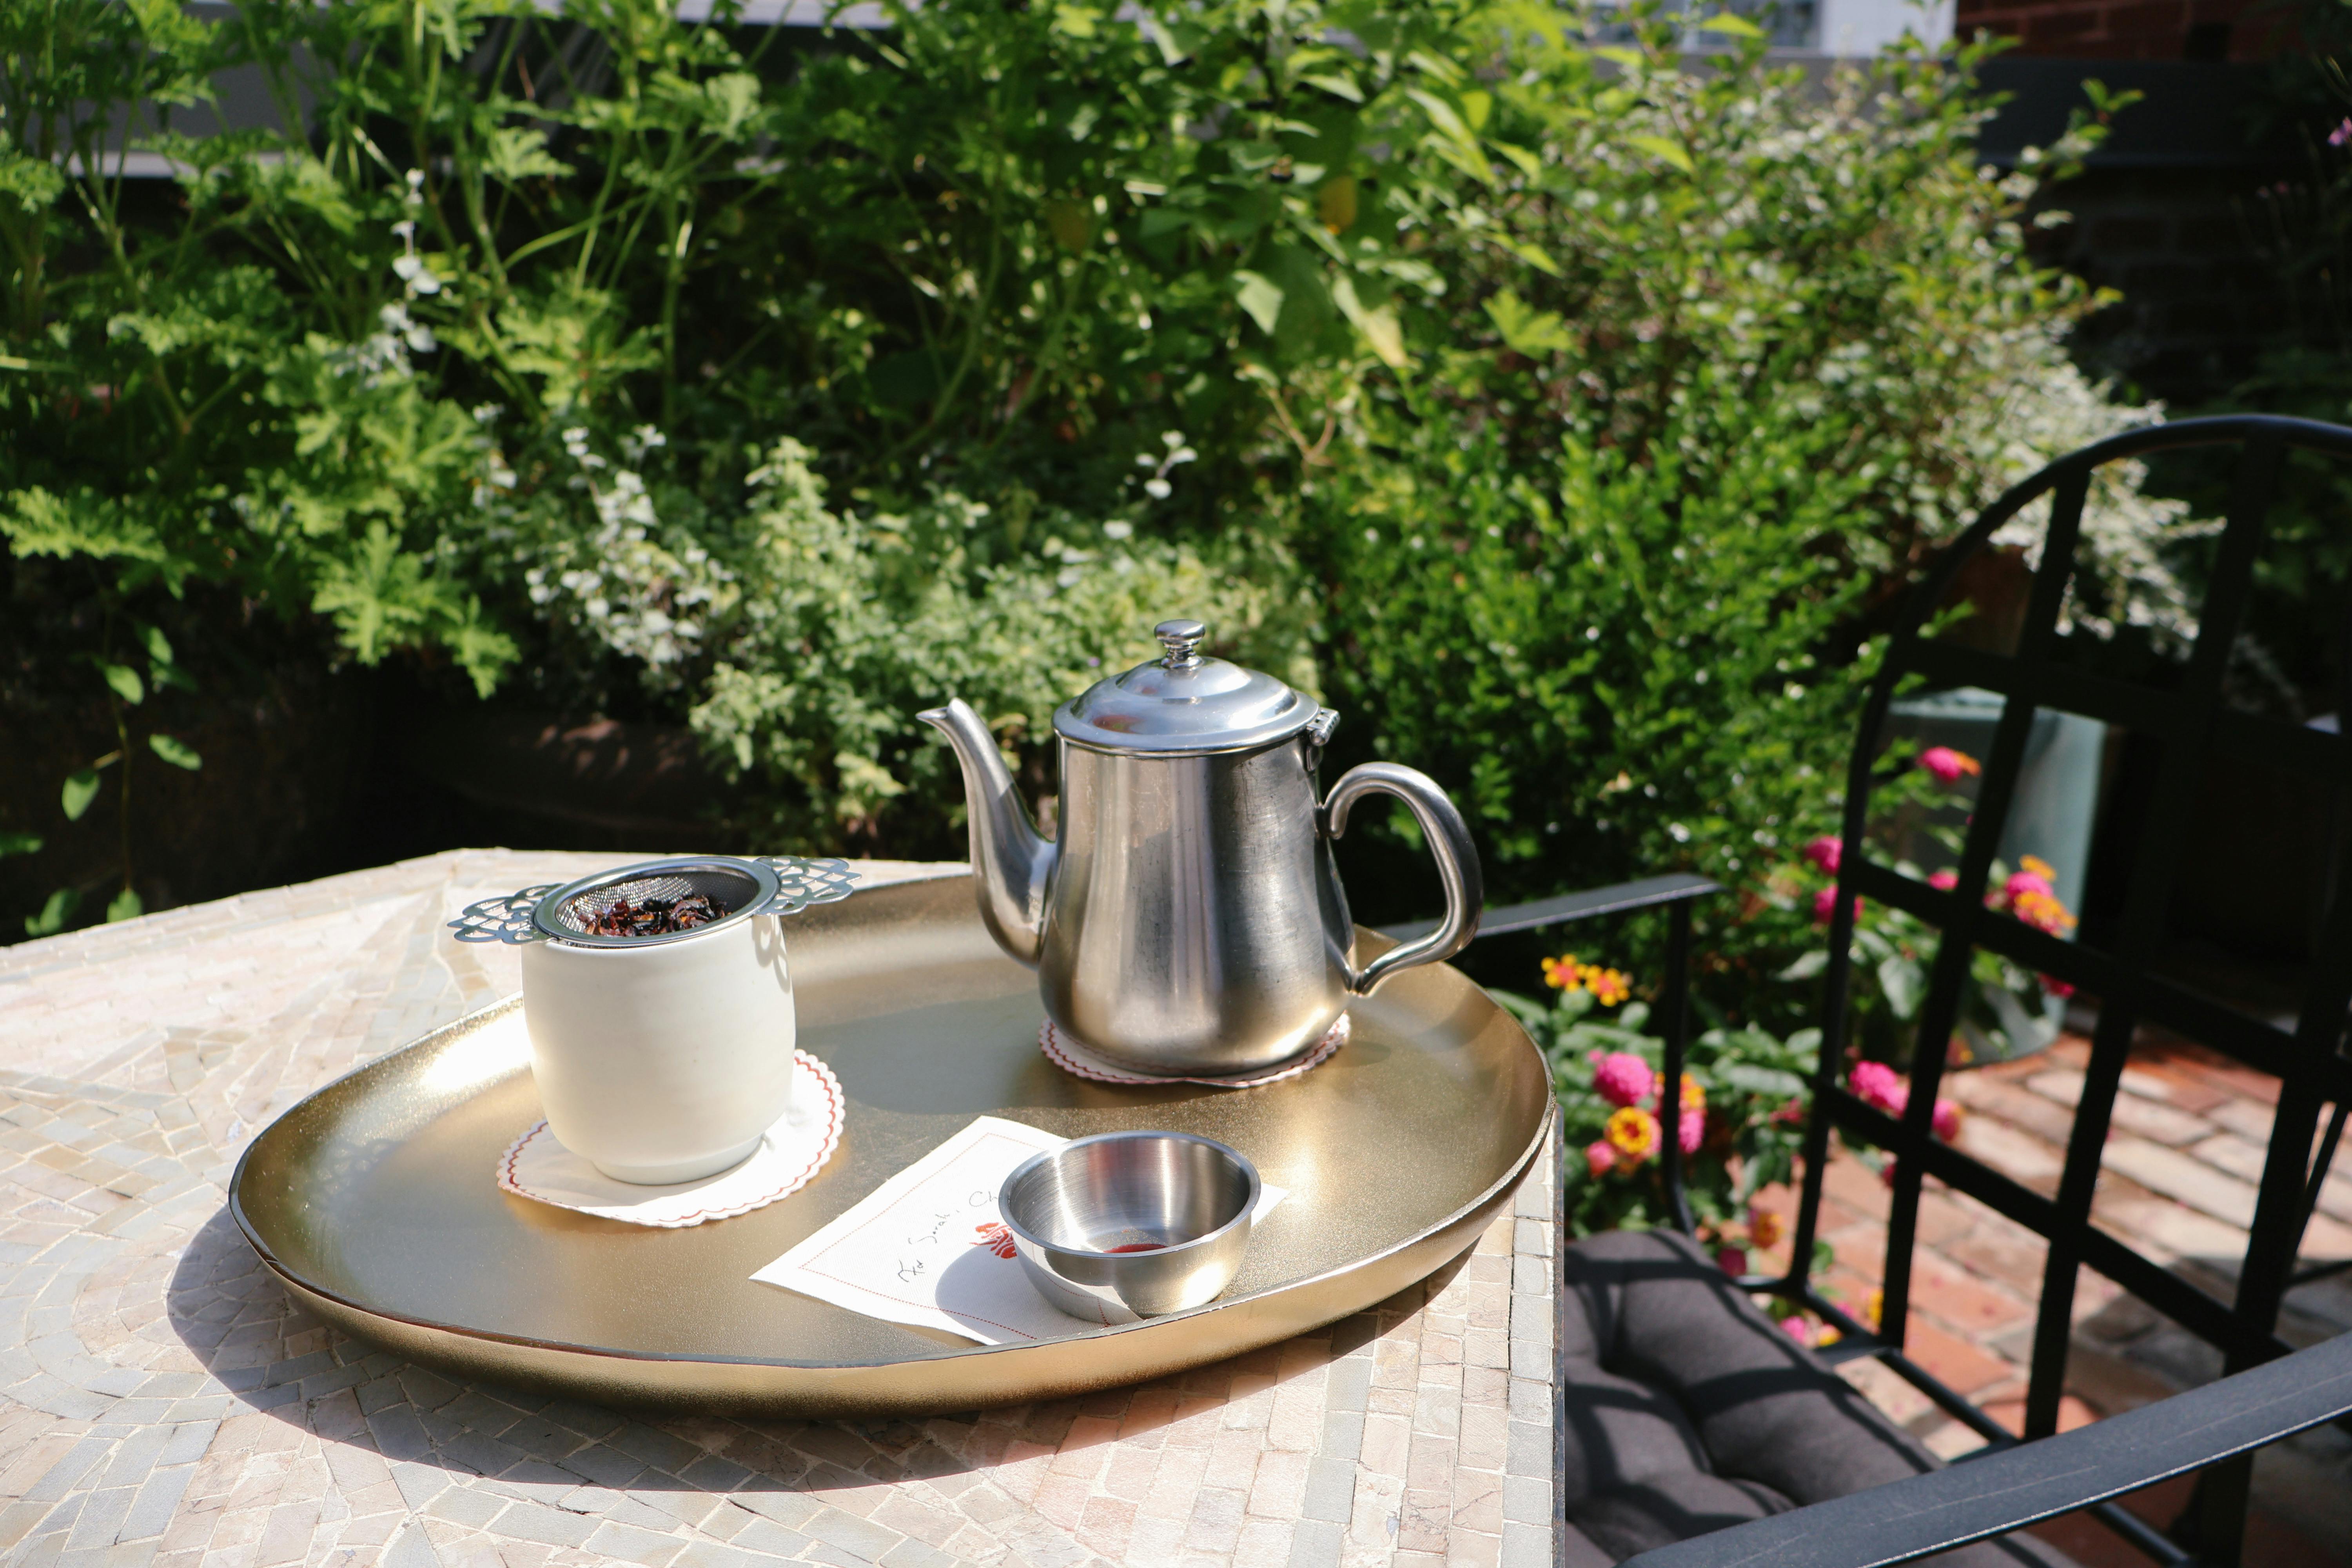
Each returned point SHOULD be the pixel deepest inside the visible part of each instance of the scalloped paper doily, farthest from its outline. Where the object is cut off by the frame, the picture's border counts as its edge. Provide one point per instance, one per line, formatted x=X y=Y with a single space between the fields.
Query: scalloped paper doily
x=1080 y=1062
x=789 y=1157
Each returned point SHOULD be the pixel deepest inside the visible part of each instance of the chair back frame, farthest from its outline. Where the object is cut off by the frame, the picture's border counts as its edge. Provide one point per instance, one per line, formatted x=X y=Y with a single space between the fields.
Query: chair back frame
x=2191 y=723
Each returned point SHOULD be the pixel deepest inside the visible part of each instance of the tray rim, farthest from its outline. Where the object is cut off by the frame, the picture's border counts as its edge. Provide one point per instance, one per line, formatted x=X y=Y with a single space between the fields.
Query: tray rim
x=432 y=1342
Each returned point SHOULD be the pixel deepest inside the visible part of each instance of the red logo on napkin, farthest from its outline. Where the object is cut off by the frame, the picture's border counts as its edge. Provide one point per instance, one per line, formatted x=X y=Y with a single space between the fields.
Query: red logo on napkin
x=995 y=1237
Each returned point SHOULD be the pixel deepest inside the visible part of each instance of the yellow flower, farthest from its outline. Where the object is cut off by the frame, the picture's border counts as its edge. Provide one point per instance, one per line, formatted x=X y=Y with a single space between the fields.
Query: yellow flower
x=1634 y=1131
x=1563 y=974
x=1873 y=1307
x=1694 y=1096
x=1608 y=986
x=2038 y=866
x=2042 y=912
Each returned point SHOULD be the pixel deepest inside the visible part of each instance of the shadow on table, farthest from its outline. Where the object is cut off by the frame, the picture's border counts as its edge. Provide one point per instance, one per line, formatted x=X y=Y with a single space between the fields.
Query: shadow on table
x=228 y=1309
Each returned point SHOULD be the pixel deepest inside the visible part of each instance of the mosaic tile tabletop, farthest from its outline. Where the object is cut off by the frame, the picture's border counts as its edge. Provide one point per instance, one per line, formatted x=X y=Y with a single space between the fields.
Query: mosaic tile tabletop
x=162 y=1402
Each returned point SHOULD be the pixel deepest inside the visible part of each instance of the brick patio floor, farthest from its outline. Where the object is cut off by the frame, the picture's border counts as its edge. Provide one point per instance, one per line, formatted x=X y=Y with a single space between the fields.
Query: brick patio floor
x=2179 y=1182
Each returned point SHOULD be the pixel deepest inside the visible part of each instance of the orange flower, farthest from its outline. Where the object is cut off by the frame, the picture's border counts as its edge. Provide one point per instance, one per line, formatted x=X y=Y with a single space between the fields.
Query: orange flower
x=1608 y=986
x=2042 y=911
x=1763 y=1228
x=2038 y=867
x=1634 y=1131
x=1563 y=974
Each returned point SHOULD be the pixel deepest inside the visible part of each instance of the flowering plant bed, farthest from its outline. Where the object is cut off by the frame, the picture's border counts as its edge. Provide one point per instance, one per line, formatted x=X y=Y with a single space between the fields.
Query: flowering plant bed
x=1742 y=1102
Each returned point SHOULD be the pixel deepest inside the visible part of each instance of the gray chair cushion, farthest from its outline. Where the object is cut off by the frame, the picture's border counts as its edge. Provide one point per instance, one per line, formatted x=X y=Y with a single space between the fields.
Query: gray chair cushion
x=1688 y=1410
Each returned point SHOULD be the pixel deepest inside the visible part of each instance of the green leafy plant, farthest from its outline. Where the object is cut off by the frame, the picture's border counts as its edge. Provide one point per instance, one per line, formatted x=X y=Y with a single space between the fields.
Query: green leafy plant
x=1561 y=411
x=1721 y=355
x=124 y=691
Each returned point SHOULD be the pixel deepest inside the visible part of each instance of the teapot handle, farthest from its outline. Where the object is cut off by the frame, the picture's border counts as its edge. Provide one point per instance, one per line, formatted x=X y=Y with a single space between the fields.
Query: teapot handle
x=1449 y=845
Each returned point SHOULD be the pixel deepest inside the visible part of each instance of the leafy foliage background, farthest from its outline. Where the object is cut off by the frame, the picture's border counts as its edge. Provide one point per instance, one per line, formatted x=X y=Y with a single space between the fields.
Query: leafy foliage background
x=1561 y=413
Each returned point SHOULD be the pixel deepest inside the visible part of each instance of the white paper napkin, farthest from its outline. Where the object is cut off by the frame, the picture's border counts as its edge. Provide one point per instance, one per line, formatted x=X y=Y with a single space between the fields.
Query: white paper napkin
x=927 y=1247
x=789 y=1157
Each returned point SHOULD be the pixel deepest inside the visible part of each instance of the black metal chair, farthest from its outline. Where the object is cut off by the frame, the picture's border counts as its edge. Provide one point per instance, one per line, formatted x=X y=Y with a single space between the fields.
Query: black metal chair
x=1686 y=1414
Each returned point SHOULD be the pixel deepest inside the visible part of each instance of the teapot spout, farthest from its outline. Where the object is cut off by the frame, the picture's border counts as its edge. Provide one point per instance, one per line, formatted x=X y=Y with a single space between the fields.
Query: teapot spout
x=1011 y=863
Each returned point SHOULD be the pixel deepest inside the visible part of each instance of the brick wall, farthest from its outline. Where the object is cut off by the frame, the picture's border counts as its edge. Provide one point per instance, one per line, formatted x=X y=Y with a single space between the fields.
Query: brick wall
x=2161 y=213
x=2197 y=305
x=2126 y=29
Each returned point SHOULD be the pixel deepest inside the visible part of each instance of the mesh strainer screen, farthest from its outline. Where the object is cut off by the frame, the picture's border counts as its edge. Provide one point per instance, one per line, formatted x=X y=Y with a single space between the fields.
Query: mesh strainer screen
x=728 y=890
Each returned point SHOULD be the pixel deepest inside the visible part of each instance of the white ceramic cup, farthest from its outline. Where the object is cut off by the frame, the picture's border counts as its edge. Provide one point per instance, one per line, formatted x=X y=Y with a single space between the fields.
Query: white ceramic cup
x=666 y=1061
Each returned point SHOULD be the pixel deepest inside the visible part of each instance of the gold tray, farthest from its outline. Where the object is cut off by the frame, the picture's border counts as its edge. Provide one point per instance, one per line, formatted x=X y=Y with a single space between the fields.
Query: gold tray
x=372 y=1200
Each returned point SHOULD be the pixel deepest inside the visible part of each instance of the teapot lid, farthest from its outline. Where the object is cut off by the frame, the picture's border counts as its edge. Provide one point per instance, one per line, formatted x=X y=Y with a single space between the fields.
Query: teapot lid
x=1184 y=702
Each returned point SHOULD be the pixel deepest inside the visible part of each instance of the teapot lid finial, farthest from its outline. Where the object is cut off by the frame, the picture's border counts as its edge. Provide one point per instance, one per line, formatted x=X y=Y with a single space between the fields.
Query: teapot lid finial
x=1182 y=640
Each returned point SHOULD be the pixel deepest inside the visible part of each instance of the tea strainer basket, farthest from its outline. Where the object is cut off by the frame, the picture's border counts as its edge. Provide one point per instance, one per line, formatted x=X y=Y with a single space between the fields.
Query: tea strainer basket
x=716 y=890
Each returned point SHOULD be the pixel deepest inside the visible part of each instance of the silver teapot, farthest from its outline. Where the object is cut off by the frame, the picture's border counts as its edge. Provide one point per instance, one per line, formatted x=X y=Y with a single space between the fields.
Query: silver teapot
x=1188 y=919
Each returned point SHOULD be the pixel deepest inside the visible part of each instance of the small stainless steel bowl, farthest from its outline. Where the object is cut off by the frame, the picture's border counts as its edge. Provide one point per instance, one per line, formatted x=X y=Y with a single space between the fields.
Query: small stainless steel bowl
x=1181 y=1203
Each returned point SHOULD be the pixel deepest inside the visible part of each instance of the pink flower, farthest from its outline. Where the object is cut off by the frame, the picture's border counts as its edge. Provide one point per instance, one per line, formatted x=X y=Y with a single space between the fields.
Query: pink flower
x=2341 y=134
x=1877 y=1084
x=1948 y=764
x=1599 y=1157
x=1944 y=881
x=1692 y=1129
x=1797 y=1330
x=1624 y=1079
x=1947 y=1121
x=2021 y=883
x=2056 y=988
x=1824 y=853
x=1825 y=905
x=1732 y=1261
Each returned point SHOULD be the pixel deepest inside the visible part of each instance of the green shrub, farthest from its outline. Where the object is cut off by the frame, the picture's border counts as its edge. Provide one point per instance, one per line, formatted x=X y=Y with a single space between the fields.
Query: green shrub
x=823 y=631
x=1570 y=409
x=1720 y=360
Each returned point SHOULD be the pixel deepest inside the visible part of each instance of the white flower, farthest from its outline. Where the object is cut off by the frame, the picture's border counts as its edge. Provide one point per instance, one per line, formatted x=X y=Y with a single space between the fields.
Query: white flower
x=416 y=275
x=417 y=335
x=1118 y=529
x=642 y=439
